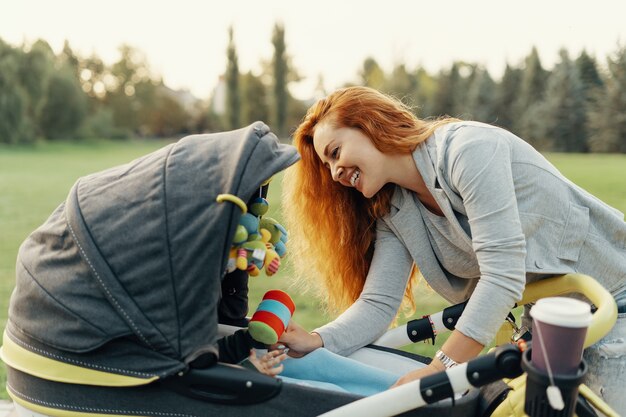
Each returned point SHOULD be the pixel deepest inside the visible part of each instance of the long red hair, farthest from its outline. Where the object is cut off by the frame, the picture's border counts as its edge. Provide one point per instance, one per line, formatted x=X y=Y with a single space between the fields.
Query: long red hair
x=332 y=227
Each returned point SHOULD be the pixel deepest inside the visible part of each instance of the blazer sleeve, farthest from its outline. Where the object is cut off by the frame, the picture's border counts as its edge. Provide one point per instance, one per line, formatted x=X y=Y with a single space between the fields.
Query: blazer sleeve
x=371 y=314
x=480 y=170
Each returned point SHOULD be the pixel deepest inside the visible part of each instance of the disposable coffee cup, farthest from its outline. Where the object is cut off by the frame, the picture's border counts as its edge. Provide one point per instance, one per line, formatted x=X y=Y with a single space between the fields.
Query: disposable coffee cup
x=559 y=330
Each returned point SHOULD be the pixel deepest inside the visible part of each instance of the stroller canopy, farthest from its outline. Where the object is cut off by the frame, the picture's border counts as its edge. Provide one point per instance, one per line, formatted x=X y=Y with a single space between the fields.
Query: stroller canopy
x=125 y=274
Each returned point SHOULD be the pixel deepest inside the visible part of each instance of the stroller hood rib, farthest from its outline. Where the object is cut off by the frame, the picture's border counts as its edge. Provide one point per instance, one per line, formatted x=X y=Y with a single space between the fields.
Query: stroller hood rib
x=136 y=253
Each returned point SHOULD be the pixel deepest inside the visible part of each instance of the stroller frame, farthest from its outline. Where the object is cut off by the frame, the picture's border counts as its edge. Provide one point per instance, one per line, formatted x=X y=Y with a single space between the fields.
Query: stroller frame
x=42 y=392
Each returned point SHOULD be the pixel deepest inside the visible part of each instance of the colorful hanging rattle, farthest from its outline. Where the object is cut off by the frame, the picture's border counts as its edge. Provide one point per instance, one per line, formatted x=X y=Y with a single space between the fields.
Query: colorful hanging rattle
x=272 y=316
x=259 y=242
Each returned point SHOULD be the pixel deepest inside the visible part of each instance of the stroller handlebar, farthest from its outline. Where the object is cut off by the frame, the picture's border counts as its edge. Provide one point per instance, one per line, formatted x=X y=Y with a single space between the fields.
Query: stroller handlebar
x=603 y=318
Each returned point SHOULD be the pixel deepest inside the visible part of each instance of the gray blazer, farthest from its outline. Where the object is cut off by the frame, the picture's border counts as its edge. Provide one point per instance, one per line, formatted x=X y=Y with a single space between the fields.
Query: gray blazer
x=525 y=219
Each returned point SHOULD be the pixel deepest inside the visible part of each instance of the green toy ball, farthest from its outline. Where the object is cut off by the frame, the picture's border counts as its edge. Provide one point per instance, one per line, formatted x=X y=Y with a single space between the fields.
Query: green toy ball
x=241 y=235
x=259 y=206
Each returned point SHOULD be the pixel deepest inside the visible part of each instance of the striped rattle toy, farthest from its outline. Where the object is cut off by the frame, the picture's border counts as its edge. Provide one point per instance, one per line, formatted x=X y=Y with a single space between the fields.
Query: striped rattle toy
x=270 y=319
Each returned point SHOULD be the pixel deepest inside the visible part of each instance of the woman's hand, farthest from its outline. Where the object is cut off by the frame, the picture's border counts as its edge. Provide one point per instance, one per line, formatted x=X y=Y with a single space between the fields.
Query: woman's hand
x=299 y=341
x=459 y=347
x=416 y=374
x=270 y=363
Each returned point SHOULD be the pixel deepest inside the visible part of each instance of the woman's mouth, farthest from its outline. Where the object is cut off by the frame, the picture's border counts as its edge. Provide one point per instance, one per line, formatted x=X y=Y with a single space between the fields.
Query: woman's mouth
x=355 y=177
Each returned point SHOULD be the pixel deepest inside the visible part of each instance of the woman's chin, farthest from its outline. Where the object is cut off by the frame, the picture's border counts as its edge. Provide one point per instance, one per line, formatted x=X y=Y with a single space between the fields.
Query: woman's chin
x=366 y=193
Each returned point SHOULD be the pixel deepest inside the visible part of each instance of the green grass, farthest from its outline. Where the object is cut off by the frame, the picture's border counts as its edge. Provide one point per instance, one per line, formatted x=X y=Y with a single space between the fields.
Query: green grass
x=35 y=179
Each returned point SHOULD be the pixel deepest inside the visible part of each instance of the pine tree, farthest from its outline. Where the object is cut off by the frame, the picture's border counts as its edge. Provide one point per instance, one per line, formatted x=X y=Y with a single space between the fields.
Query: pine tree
x=506 y=96
x=607 y=119
x=424 y=96
x=233 y=101
x=402 y=84
x=481 y=96
x=531 y=92
x=281 y=73
x=589 y=75
x=254 y=104
x=561 y=116
x=444 y=100
x=13 y=98
x=372 y=75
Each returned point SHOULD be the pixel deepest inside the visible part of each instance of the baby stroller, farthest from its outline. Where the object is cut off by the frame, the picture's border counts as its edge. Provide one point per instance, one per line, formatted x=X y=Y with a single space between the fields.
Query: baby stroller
x=115 y=311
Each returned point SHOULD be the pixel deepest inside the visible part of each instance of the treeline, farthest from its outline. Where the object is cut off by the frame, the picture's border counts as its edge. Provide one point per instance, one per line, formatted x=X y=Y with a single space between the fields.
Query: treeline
x=577 y=106
x=48 y=96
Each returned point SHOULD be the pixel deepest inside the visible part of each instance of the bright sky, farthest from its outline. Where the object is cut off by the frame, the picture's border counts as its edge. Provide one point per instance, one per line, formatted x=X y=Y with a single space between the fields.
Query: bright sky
x=185 y=41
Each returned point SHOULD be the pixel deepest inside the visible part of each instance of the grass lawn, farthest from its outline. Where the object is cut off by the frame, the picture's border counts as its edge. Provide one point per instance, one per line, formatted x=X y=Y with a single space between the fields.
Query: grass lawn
x=35 y=179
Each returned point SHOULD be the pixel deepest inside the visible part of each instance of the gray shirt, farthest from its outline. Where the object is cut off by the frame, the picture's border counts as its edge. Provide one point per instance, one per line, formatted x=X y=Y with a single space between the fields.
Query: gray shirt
x=446 y=240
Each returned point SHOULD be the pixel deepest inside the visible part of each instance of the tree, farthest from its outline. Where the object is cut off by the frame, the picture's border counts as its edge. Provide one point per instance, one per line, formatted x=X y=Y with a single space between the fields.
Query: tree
x=425 y=94
x=69 y=59
x=480 y=97
x=281 y=73
x=467 y=72
x=607 y=119
x=233 y=101
x=64 y=109
x=372 y=75
x=589 y=75
x=13 y=98
x=531 y=92
x=445 y=99
x=561 y=114
x=36 y=66
x=93 y=73
x=254 y=105
x=402 y=84
x=506 y=96
x=127 y=77
x=166 y=117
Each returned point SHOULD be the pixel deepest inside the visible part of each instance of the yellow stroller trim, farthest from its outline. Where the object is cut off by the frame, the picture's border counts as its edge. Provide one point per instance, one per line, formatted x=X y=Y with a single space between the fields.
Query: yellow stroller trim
x=603 y=318
x=40 y=366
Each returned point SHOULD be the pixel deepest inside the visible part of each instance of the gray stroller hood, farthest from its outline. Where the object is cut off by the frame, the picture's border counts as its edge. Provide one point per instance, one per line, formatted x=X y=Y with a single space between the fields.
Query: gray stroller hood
x=125 y=274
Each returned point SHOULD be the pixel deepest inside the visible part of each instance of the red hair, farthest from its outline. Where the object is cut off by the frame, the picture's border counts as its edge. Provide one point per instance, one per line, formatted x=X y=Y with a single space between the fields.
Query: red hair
x=332 y=227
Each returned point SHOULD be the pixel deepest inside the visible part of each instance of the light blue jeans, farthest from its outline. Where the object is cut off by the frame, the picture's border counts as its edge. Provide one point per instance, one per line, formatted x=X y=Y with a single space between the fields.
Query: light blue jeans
x=607 y=362
x=324 y=369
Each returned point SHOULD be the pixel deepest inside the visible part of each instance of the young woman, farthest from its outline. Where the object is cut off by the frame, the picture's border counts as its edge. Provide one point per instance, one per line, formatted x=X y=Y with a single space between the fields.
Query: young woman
x=474 y=207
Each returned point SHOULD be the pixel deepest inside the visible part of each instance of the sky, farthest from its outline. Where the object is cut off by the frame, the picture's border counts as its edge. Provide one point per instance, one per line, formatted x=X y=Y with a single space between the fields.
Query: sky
x=185 y=41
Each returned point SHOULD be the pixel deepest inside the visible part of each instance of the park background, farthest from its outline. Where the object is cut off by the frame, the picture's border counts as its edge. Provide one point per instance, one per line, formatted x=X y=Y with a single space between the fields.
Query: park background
x=66 y=110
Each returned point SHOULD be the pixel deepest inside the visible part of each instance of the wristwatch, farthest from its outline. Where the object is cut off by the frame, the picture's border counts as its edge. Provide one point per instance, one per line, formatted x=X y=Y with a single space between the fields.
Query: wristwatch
x=445 y=359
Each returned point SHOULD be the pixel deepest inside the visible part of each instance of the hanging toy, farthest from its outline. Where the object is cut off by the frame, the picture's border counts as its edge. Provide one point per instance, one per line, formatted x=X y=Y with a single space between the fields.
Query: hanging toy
x=259 y=242
x=271 y=318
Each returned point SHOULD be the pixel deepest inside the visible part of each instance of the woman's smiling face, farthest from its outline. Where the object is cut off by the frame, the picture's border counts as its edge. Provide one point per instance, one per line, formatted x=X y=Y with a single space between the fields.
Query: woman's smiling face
x=351 y=157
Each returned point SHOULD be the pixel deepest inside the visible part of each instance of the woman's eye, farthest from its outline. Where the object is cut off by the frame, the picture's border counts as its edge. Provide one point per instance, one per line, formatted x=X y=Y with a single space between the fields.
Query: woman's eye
x=335 y=153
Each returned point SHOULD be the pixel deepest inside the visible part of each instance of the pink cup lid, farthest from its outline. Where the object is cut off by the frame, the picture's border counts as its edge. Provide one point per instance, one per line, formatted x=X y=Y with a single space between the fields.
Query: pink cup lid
x=562 y=311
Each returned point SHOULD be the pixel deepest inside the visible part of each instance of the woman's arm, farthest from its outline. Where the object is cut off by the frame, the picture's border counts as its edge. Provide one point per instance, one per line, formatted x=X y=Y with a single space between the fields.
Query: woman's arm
x=479 y=168
x=370 y=316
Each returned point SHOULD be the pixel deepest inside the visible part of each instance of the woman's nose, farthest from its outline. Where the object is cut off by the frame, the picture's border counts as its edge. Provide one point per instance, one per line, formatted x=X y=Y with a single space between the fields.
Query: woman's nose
x=337 y=173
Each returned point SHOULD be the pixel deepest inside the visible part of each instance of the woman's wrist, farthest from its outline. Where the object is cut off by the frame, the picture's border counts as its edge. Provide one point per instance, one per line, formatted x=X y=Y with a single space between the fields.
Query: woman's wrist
x=317 y=341
x=443 y=362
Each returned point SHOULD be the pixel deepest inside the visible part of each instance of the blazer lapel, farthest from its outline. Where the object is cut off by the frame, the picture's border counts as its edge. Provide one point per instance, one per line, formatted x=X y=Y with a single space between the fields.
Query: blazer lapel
x=424 y=155
x=409 y=226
